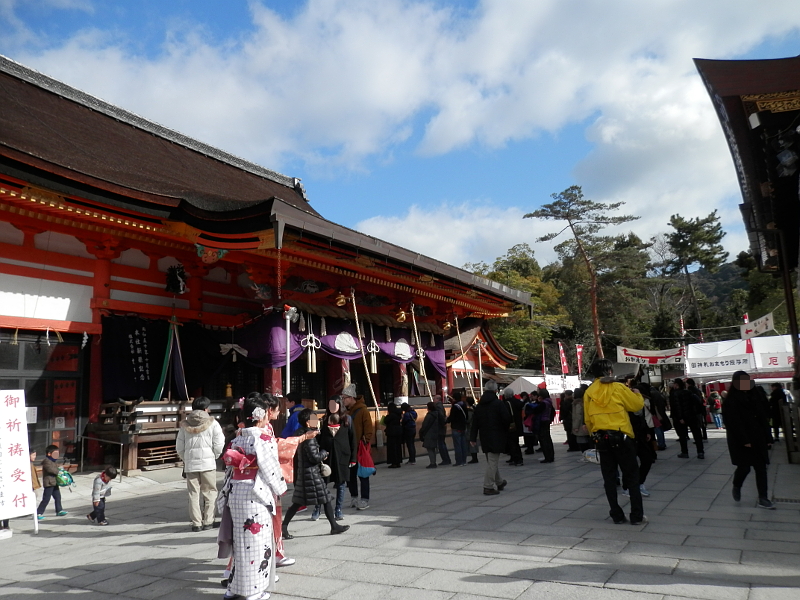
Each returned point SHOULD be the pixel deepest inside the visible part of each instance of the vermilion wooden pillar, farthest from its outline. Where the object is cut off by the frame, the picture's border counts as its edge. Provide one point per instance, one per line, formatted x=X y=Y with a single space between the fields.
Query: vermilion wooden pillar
x=104 y=250
x=334 y=376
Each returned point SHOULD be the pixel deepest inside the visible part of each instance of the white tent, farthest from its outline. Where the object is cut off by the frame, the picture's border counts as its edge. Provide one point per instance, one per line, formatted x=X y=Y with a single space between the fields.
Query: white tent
x=771 y=354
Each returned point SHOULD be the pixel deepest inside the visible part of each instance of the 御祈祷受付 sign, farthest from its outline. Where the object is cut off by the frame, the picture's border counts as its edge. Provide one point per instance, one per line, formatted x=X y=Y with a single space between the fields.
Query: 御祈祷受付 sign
x=16 y=490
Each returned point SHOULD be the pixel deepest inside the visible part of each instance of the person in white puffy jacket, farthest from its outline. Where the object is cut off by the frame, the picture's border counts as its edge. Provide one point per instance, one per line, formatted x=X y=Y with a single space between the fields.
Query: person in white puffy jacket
x=200 y=442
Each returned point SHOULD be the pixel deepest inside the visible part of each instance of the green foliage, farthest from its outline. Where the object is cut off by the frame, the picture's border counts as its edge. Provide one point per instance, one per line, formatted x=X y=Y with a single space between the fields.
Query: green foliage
x=584 y=219
x=696 y=242
x=518 y=333
x=643 y=288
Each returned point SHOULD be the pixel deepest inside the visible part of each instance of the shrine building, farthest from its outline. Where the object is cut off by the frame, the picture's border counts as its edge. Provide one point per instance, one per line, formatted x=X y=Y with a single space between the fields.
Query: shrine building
x=140 y=268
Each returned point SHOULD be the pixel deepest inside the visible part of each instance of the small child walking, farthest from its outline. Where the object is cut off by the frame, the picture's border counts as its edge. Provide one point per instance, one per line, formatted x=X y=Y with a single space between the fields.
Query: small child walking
x=50 y=483
x=101 y=489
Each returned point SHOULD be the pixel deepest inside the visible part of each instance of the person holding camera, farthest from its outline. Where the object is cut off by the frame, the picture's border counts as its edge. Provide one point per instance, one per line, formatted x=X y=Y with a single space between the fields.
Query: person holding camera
x=606 y=405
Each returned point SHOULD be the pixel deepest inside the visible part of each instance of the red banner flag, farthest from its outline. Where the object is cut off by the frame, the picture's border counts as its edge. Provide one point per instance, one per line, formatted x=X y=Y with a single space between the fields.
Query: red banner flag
x=564 y=365
x=579 y=353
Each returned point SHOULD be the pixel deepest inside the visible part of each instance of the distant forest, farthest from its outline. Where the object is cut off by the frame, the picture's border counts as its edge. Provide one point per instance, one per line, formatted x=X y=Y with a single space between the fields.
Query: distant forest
x=604 y=291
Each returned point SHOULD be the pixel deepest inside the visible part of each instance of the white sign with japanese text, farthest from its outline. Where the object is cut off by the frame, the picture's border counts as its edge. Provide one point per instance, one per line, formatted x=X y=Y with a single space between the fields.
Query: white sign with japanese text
x=777 y=360
x=16 y=490
x=673 y=356
x=726 y=364
x=757 y=327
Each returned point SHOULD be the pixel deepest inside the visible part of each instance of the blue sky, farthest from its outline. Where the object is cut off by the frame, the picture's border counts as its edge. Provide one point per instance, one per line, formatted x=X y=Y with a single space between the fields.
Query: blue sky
x=434 y=125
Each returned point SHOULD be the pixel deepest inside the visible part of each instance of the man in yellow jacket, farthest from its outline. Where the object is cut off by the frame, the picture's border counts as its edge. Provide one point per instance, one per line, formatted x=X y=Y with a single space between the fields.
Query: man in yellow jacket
x=606 y=405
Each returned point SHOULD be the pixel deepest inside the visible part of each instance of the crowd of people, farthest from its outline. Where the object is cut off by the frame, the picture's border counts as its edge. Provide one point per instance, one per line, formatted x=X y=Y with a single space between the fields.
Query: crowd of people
x=621 y=419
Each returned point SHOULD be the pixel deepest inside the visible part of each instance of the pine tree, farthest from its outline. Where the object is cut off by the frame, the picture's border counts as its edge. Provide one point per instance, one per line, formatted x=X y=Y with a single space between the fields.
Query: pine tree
x=584 y=219
x=696 y=242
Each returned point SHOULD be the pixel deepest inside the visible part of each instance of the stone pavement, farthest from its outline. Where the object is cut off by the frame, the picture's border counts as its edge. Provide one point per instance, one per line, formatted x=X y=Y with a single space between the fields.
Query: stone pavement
x=432 y=534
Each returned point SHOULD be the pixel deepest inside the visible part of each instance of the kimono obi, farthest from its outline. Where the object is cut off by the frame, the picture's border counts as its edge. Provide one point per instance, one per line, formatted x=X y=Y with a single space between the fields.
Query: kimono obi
x=246 y=473
x=245 y=466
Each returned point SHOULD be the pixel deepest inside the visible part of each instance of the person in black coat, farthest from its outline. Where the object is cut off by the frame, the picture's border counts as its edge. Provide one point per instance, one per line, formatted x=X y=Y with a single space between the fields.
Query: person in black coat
x=429 y=434
x=491 y=421
x=458 y=426
x=409 y=422
x=514 y=406
x=695 y=391
x=746 y=429
x=441 y=440
x=337 y=437
x=309 y=485
x=777 y=398
x=565 y=414
x=393 y=429
x=686 y=411
x=659 y=405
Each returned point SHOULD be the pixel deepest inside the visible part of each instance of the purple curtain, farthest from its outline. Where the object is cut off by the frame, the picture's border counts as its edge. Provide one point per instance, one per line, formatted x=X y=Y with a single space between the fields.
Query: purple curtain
x=341 y=340
x=265 y=342
x=402 y=348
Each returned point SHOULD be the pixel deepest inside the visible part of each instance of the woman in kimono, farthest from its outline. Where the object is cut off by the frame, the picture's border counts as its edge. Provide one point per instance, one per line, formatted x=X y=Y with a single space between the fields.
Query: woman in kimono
x=249 y=499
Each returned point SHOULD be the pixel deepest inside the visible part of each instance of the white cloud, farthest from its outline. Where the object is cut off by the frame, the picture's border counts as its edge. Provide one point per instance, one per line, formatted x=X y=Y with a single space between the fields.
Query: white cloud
x=341 y=81
x=461 y=233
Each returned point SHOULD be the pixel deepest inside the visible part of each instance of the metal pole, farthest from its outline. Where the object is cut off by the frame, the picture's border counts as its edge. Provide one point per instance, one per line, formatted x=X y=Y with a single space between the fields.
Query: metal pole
x=286 y=388
x=480 y=368
x=788 y=294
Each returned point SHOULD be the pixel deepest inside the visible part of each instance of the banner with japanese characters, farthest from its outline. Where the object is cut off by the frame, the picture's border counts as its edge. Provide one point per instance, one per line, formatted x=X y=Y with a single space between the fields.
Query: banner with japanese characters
x=16 y=490
x=673 y=356
x=757 y=327
x=722 y=364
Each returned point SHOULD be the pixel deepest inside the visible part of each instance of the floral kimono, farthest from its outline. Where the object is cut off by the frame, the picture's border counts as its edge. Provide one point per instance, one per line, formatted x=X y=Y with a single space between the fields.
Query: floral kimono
x=250 y=493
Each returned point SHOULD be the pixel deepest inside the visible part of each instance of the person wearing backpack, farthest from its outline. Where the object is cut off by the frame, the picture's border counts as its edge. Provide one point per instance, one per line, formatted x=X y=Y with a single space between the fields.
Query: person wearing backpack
x=50 y=483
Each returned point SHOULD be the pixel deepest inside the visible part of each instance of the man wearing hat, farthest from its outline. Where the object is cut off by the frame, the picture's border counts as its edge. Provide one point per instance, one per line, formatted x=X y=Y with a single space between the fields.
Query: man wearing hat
x=363 y=429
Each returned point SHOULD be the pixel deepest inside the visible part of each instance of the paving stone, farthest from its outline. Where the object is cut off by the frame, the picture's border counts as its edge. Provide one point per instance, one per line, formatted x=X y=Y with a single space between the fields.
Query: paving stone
x=551 y=541
x=751 y=557
x=751 y=574
x=384 y=574
x=688 y=552
x=757 y=545
x=596 y=545
x=691 y=587
x=308 y=587
x=732 y=531
x=588 y=575
x=637 y=562
x=542 y=553
x=480 y=584
x=562 y=591
x=773 y=593
x=370 y=591
x=441 y=561
x=632 y=534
